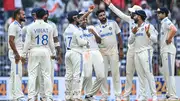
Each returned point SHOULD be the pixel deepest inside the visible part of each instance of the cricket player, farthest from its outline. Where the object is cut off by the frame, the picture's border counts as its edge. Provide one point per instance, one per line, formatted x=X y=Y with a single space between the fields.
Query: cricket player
x=75 y=44
x=40 y=37
x=167 y=51
x=144 y=35
x=93 y=58
x=108 y=30
x=59 y=59
x=15 y=45
x=130 y=66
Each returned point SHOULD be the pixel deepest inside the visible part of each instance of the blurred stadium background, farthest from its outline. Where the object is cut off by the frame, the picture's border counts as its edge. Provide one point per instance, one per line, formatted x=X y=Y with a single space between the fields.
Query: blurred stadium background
x=58 y=10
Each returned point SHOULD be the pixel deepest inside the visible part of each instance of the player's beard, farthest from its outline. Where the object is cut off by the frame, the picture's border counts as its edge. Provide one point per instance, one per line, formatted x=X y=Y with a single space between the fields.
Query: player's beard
x=135 y=20
x=22 y=19
x=103 y=20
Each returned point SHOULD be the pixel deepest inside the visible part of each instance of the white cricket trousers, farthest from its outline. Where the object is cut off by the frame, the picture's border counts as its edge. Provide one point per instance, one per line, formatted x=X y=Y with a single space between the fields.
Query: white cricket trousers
x=143 y=64
x=15 y=80
x=40 y=80
x=168 y=62
x=74 y=65
x=130 y=70
x=92 y=58
x=113 y=62
x=39 y=62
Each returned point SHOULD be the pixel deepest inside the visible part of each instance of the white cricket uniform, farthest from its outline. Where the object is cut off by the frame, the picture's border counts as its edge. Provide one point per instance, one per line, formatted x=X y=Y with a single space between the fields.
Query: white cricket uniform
x=41 y=85
x=92 y=58
x=40 y=37
x=109 y=51
x=15 y=29
x=143 y=56
x=130 y=65
x=168 y=53
x=73 y=60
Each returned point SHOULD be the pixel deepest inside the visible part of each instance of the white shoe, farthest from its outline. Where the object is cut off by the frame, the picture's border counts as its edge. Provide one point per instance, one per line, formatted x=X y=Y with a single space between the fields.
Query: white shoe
x=104 y=99
x=125 y=98
x=141 y=98
x=154 y=98
x=172 y=99
x=118 y=98
x=21 y=99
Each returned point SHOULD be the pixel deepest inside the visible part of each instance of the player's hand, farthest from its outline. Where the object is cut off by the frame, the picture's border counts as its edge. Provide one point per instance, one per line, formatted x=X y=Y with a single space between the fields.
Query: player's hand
x=53 y=57
x=108 y=2
x=147 y=30
x=134 y=30
x=91 y=30
x=121 y=54
x=59 y=59
x=91 y=8
x=23 y=60
x=17 y=58
x=168 y=41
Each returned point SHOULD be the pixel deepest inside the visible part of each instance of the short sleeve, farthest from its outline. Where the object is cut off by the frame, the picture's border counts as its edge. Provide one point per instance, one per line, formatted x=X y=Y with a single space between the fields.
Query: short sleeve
x=12 y=30
x=117 y=29
x=168 y=24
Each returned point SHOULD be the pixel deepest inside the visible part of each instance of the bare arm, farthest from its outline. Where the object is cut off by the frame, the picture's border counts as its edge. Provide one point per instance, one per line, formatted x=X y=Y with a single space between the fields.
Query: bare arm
x=12 y=44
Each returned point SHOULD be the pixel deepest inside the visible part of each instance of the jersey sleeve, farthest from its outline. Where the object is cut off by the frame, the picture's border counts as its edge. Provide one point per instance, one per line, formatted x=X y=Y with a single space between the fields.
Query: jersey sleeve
x=51 y=42
x=55 y=31
x=12 y=30
x=153 y=34
x=27 y=42
x=79 y=38
x=120 y=13
x=168 y=24
x=117 y=29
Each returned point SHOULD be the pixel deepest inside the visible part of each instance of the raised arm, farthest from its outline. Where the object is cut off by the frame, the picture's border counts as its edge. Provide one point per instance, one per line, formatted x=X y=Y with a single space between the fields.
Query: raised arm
x=117 y=11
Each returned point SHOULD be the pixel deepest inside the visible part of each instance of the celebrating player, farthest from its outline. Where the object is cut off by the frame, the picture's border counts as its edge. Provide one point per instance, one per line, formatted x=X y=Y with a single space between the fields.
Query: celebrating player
x=143 y=36
x=130 y=66
x=93 y=58
x=108 y=30
x=15 y=51
x=168 y=51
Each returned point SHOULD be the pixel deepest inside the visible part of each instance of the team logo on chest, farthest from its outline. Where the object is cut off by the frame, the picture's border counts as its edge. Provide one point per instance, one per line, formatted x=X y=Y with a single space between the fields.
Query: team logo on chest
x=142 y=29
x=110 y=28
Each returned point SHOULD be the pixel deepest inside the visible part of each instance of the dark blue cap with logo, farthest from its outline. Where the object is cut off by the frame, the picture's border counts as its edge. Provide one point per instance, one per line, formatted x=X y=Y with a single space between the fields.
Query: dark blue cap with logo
x=40 y=12
x=71 y=14
x=163 y=10
x=34 y=10
x=141 y=13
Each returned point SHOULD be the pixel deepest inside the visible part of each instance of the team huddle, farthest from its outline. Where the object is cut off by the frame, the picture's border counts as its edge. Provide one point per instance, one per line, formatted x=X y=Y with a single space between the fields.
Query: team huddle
x=90 y=48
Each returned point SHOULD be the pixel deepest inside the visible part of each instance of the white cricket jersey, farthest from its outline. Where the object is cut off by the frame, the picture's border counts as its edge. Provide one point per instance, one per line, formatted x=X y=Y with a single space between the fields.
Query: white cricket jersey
x=165 y=29
x=55 y=31
x=39 y=34
x=141 y=40
x=15 y=29
x=127 y=19
x=108 y=32
x=74 y=40
x=90 y=38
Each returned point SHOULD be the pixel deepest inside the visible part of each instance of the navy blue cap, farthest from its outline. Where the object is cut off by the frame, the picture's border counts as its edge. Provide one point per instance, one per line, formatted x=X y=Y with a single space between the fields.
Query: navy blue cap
x=47 y=12
x=71 y=14
x=34 y=10
x=163 y=10
x=40 y=12
x=141 y=13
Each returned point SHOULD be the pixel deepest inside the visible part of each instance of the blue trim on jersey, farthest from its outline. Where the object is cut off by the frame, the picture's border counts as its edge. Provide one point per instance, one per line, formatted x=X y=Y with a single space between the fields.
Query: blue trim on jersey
x=149 y=60
x=169 y=64
x=81 y=63
x=16 y=68
x=106 y=34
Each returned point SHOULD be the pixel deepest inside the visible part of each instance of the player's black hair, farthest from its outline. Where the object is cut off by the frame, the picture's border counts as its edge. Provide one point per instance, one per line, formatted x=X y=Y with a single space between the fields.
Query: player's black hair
x=99 y=11
x=40 y=13
x=80 y=15
x=16 y=12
